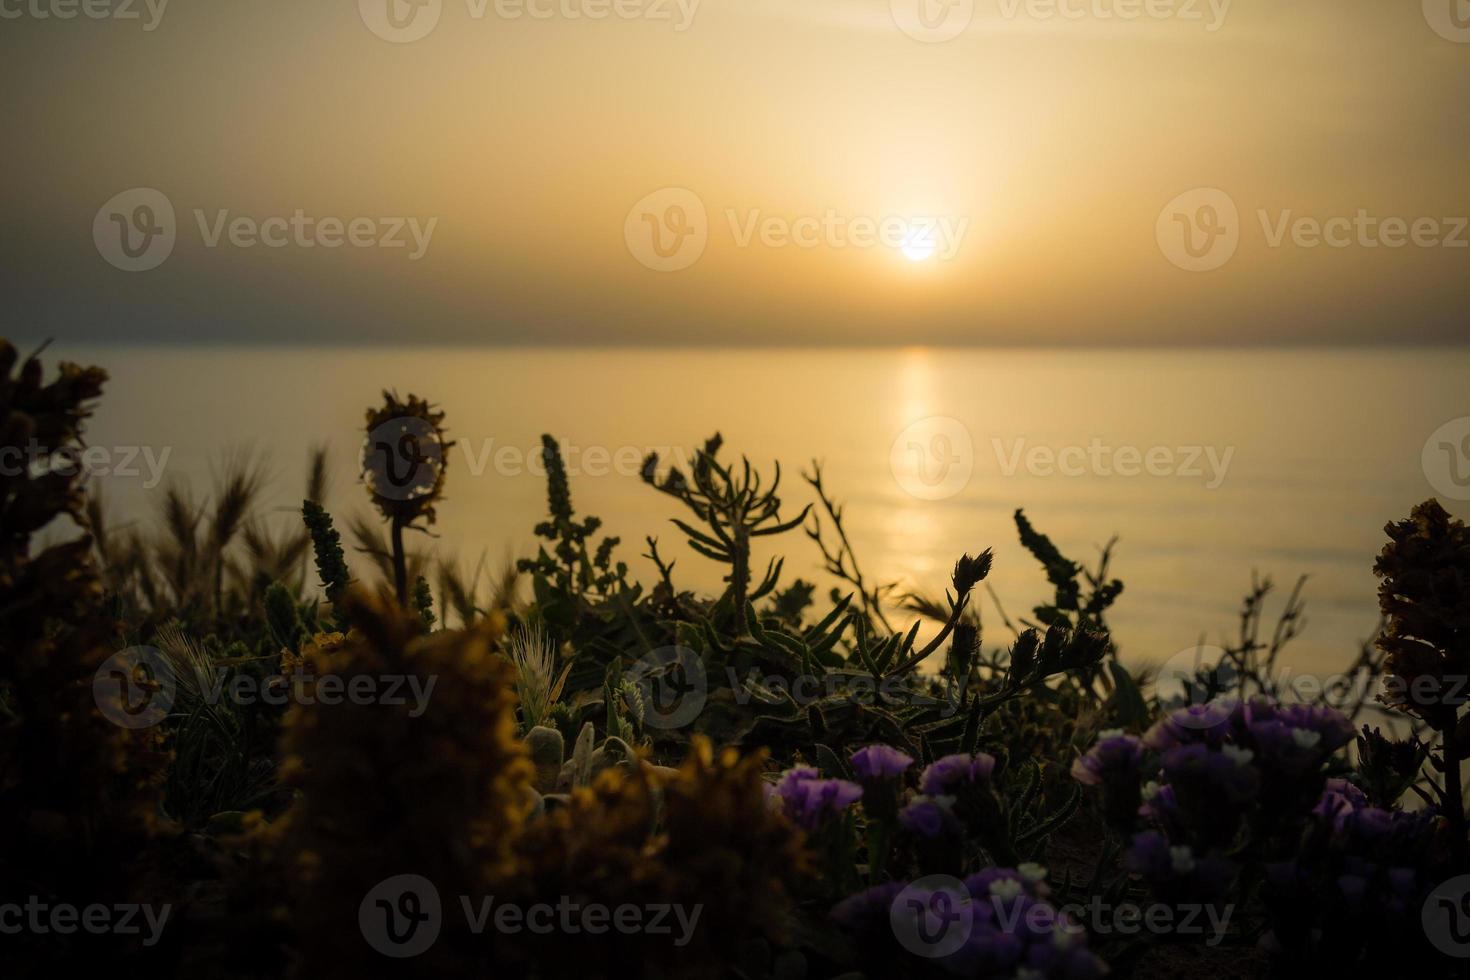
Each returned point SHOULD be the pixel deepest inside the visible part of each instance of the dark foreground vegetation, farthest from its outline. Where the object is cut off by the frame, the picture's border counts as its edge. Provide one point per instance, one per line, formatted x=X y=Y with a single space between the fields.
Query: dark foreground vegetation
x=297 y=772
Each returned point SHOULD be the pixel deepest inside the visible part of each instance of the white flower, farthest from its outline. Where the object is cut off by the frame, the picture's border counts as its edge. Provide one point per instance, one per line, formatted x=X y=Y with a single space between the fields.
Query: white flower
x=1065 y=933
x=1237 y=755
x=1151 y=789
x=1182 y=859
x=1305 y=738
x=1005 y=889
x=1031 y=871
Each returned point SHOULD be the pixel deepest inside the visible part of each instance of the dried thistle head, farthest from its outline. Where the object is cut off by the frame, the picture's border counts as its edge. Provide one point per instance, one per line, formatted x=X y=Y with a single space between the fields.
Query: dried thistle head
x=404 y=456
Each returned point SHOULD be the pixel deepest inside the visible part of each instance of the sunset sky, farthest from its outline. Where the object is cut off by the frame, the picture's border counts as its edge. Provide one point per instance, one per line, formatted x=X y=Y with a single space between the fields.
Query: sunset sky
x=1049 y=146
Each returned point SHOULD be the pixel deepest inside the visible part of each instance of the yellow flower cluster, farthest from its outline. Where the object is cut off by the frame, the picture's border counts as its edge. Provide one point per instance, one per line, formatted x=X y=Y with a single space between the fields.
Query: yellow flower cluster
x=446 y=795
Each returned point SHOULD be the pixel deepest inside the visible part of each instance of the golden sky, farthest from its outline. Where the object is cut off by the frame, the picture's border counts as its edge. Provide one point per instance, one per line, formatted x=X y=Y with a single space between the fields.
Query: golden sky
x=1028 y=171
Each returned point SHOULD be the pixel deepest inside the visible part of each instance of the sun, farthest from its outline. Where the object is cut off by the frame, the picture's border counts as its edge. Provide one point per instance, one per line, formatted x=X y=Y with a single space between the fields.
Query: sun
x=918 y=246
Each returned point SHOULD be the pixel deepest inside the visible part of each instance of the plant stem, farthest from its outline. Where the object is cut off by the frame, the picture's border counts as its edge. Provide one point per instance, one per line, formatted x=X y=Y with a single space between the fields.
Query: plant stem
x=400 y=564
x=1454 y=800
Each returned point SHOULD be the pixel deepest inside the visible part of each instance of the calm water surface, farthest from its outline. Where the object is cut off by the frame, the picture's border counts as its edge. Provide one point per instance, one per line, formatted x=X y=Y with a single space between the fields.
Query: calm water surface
x=1207 y=465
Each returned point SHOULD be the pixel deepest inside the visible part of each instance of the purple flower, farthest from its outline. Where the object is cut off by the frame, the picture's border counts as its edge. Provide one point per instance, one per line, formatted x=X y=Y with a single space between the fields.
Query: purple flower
x=867 y=909
x=876 y=762
x=1340 y=798
x=1162 y=808
x=1197 y=773
x=1177 y=872
x=1208 y=723
x=929 y=817
x=808 y=799
x=1015 y=932
x=1114 y=754
x=1007 y=883
x=949 y=774
x=1331 y=726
